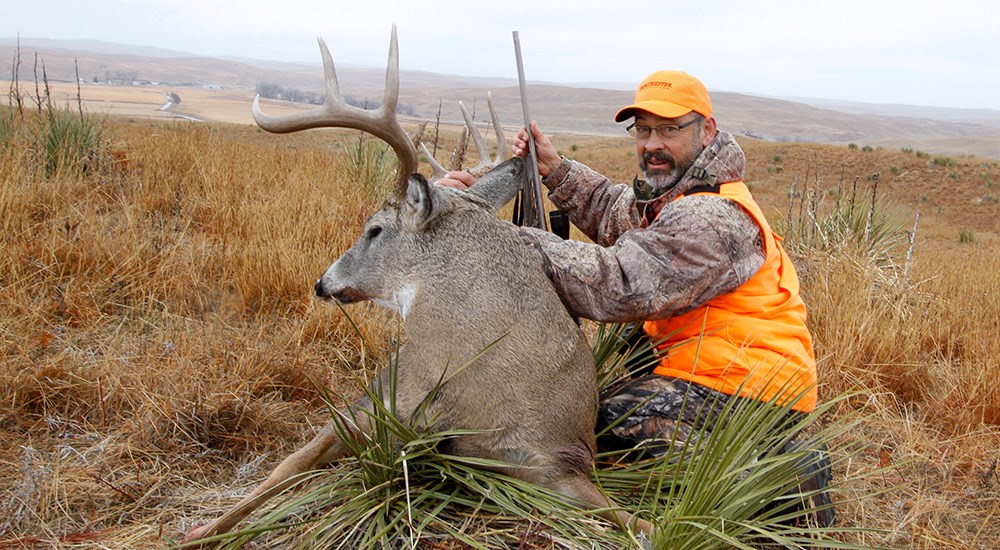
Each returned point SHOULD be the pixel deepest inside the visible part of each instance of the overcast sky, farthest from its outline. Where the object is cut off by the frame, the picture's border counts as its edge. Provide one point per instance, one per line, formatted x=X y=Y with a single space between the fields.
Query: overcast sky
x=918 y=52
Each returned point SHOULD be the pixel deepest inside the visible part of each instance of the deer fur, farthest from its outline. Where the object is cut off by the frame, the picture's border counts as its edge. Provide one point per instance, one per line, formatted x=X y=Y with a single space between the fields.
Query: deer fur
x=479 y=315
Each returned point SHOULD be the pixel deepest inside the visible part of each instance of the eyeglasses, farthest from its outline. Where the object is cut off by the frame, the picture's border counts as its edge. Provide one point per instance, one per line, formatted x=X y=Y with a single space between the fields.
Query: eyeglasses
x=666 y=131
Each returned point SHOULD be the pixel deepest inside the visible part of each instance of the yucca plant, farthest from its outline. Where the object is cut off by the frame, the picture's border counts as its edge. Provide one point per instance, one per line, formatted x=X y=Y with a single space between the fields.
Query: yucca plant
x=620 y=351
x=729 y=485
x=875 y=228
x=734 y=487
x=370 y=164
x=400 y=489
x=70 y=142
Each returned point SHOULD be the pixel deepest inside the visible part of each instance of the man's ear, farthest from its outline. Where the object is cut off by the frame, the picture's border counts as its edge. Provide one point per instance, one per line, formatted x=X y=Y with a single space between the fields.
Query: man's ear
x=419 y=208
x=708 y=131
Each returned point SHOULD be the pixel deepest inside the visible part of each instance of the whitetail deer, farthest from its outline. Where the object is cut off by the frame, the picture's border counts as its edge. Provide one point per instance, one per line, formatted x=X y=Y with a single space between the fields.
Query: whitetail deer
x=463 y=282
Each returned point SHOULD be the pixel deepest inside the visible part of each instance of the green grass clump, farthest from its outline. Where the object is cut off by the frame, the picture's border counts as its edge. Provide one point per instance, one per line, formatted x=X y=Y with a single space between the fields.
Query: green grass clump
x=944 y=161
x=370 y=163
x=70 y=142
x=65 y=142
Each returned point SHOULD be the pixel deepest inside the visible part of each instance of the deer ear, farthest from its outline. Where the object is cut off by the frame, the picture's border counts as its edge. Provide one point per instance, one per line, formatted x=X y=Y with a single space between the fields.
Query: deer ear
x=501 y=184
x=419 y=207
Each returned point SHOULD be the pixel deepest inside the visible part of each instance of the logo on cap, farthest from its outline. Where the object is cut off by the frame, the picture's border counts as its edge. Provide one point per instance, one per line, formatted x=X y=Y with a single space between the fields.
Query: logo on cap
x=656 y=84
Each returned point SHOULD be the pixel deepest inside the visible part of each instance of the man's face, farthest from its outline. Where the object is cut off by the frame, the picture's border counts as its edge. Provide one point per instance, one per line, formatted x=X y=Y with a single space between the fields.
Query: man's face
x=667 y=154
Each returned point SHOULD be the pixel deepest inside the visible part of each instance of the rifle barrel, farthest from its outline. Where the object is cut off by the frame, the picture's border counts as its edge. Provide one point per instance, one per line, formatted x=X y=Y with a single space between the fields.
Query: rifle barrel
x=531 y=203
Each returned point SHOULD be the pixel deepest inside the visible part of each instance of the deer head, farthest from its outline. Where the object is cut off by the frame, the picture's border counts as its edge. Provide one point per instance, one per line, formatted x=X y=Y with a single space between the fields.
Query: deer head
x=379 y=266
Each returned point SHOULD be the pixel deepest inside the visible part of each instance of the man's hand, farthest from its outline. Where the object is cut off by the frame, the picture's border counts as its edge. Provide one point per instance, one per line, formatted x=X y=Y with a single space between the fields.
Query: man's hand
x=548 y=158
x=457 y=180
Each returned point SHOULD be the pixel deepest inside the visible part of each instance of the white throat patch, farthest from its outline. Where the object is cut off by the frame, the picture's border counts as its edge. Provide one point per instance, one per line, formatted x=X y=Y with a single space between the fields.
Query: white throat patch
x=401 y=301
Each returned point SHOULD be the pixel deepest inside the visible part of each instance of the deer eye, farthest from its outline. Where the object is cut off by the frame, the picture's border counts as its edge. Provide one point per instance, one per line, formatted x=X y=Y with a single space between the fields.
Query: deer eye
x=374 y=232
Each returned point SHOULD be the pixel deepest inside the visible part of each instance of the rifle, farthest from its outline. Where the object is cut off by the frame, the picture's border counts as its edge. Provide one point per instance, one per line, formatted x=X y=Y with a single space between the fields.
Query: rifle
x=528 y=206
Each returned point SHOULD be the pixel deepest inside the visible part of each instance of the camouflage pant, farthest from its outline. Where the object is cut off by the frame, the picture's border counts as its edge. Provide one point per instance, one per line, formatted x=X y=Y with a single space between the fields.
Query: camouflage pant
x=650 y=413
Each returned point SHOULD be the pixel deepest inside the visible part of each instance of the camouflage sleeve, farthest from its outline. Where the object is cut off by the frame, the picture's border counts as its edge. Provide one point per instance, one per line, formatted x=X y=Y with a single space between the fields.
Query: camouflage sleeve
x=699 y=248
x=602 y=210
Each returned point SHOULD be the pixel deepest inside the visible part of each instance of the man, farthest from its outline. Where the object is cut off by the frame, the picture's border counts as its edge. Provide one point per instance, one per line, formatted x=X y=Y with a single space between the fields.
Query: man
x=687 y=252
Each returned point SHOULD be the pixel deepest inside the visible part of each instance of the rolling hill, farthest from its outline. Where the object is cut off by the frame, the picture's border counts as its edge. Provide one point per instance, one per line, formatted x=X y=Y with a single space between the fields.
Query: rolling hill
x=577 y=108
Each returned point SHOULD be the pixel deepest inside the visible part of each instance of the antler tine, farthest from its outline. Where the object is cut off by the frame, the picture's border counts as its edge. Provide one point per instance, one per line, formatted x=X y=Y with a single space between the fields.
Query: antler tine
x=336 y=113
x=485 y=161
x=501 y=141
x=484 y=153
x=439 y=171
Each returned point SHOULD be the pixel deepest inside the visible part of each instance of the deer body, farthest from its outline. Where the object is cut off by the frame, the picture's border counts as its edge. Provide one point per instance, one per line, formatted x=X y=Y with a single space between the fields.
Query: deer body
x=482 y=321
x=475 y=292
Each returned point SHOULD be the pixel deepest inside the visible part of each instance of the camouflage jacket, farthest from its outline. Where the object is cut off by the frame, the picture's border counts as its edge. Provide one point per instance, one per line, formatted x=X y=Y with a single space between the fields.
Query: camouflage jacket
x=646 y=266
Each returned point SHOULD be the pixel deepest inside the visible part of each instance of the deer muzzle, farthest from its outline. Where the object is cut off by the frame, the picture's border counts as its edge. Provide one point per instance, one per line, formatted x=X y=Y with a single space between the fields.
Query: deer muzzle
x=343 y=295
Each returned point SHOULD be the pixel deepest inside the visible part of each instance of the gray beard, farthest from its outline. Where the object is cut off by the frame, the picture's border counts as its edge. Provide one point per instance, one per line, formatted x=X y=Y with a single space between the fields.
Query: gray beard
x=661 y=181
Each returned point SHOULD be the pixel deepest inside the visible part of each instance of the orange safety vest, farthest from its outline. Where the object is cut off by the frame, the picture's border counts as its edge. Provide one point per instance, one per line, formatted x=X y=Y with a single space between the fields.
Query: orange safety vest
x=753 y=340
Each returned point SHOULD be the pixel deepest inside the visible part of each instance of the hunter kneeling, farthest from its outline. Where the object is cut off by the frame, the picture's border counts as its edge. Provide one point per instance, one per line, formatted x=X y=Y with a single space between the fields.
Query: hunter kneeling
x=686 y=252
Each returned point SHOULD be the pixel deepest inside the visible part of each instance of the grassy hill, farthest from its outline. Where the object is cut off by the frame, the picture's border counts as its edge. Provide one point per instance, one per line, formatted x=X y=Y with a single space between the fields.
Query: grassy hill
x=586 y=109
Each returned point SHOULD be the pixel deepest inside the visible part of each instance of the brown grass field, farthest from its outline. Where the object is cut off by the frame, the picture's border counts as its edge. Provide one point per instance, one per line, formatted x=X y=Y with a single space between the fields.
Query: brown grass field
x=160 y=342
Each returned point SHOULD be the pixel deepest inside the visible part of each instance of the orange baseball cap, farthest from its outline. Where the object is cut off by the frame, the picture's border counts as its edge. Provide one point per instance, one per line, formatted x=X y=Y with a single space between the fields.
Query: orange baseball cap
x=669 y=94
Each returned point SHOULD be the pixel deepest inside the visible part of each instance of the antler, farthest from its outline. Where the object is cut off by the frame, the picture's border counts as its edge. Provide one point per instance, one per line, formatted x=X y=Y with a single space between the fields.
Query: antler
x=485 y=162
x=336 y=113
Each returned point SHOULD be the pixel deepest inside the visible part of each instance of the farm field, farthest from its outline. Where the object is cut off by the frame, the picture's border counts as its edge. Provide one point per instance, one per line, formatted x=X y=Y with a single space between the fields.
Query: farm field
x=144 y=102
x=161 y=346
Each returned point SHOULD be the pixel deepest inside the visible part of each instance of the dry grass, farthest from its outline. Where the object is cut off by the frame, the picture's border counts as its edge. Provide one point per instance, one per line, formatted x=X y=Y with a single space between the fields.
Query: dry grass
x=160 y=342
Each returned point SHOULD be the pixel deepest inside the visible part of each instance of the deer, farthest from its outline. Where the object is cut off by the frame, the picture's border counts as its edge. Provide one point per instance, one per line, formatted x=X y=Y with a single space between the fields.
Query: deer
x=500 y=320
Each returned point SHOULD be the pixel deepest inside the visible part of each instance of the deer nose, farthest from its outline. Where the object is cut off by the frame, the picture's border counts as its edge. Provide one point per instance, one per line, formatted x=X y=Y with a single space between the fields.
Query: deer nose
x=319 y=289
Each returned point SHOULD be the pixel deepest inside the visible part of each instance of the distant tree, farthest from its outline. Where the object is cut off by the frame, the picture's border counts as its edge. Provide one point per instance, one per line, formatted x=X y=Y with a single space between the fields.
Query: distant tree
x=274 y=91
x=121 y=76
x=269 y=90
x=364 y=103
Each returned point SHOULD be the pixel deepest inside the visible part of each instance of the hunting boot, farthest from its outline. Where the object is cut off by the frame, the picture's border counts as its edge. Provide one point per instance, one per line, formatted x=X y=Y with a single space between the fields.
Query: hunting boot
x=812 y=494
